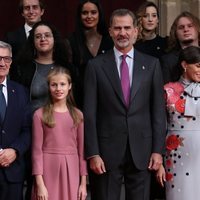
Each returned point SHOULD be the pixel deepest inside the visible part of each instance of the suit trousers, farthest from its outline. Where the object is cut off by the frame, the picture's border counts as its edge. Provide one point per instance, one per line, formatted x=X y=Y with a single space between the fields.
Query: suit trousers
x=108 y=185
x=10 y=191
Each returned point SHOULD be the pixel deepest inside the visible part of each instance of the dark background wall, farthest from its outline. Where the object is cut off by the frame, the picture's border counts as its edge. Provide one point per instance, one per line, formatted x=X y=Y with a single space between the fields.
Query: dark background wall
x=59 y=12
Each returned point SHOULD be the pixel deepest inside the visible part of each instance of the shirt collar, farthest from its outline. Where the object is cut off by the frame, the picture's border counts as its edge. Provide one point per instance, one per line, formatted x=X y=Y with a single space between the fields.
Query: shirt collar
x=4 y=83
x=27 y=29
x=130 y=54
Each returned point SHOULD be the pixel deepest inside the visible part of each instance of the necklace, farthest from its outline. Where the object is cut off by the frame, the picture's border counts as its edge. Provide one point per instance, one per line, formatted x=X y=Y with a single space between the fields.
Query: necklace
x=92 y=42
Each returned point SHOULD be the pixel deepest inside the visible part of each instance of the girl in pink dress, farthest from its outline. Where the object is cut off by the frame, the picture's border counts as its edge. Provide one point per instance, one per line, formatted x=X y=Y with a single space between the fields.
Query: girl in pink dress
x=58 y=163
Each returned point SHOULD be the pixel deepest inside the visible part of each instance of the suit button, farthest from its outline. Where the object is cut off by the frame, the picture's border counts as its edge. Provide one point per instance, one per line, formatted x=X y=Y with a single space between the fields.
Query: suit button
x=3 y=132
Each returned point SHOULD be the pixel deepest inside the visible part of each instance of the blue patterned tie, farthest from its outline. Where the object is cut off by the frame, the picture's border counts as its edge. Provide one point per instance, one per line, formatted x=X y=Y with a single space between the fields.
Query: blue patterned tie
x=125 y=82
x=2 y=104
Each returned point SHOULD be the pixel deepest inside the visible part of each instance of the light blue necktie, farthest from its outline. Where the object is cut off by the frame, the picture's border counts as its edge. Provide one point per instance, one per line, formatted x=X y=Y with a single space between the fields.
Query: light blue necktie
x=2 y=104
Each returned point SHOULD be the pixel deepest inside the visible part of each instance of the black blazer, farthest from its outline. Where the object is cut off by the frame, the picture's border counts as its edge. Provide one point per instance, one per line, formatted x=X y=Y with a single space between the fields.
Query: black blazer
x=16 y=130
x=80 y=58
x=16 y=39
x=169 y=63
x=109 y=125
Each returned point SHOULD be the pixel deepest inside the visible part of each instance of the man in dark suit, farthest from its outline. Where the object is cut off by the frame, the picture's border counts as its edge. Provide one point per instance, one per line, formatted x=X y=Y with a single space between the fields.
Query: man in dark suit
x=15 y=125
x=185 y=32
x=124 y=123
x=32 y=11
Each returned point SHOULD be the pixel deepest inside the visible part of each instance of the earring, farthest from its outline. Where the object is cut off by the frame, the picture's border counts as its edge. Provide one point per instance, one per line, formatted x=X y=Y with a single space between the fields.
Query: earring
x=185 y=69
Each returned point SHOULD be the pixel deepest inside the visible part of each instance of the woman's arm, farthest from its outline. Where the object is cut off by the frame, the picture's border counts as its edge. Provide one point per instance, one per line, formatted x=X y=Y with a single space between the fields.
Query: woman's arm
x=41 y=190
x=82 y=192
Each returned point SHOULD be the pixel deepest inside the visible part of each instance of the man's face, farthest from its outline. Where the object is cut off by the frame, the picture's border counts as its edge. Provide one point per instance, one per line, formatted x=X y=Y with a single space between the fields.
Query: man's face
x=123 y=33
x=5 y=62
x=32 y=12
x=186 y=32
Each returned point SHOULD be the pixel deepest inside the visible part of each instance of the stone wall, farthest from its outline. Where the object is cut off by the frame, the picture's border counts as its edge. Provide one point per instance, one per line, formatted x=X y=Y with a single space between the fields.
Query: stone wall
x=169 y=9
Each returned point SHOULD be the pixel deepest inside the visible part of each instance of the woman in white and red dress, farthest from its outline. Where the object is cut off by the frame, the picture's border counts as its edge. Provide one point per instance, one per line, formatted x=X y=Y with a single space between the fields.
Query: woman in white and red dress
x=182 y=160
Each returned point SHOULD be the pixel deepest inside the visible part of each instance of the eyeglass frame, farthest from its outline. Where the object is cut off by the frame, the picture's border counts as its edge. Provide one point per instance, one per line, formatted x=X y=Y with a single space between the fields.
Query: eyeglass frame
x=6 y=59
x=40 y=36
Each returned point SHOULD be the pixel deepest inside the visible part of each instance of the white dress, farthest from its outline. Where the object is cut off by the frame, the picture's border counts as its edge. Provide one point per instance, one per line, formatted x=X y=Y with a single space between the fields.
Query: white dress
x=182 y=159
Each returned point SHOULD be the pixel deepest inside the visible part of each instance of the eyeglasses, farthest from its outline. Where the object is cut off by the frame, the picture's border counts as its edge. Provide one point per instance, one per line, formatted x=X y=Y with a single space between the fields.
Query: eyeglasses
x=41 y=36
x=6 y=59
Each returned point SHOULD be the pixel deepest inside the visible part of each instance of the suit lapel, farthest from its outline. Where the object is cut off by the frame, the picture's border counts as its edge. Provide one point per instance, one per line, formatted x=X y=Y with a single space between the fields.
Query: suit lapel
x=112 y=74
x=22 y=34
x=11 y=98
x=138 y=72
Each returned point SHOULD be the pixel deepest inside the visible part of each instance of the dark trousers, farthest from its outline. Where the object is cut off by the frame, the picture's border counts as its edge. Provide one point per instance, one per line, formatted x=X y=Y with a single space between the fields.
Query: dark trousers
x=108 y=185
x=157 y=192
x=10 y=191
x=28 y=176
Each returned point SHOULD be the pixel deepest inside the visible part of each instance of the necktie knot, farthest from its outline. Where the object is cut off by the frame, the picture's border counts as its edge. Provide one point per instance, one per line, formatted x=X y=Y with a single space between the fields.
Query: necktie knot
x=124 y=56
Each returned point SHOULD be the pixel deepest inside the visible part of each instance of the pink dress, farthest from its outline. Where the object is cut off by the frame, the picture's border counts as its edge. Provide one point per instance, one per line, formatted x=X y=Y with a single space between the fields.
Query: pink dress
x=57 y=155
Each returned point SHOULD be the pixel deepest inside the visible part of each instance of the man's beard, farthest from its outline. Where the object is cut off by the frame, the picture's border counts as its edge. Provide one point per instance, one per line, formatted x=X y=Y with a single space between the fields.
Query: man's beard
x=187 y=42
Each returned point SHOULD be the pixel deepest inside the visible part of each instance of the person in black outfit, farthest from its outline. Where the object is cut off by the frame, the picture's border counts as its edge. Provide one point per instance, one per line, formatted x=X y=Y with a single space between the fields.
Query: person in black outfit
x=149 y=41
x=89 y=39
x=32 y=12
x=185 y=32
x=15 y=130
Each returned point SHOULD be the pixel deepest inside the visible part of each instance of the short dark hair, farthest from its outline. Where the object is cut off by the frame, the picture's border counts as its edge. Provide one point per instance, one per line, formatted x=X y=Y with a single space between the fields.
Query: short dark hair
x=21 y=5
x=121 y=13
x=190 y=55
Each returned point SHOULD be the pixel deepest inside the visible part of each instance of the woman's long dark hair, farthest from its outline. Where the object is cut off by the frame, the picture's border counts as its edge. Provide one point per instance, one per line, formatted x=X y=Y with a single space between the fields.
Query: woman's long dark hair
x=101 y=26
x=79 y=33
x=61 y=53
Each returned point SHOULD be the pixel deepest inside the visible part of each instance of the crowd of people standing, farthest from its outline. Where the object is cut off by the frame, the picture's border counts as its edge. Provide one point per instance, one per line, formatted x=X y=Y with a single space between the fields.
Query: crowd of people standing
x=102 y=107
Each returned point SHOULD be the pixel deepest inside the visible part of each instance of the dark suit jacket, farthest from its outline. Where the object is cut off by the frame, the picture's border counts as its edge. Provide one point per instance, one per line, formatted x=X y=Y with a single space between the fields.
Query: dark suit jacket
x=16 y=129
x=16 y=39
x=80 y=58
x=169 y=64
x=108 y=123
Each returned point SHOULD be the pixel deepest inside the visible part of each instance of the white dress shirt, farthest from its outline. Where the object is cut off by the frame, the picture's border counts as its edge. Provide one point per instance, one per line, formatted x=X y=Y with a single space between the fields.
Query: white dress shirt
x=129 y=61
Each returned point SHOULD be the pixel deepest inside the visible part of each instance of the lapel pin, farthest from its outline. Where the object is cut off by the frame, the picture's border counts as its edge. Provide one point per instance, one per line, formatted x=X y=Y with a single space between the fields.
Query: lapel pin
x=13 y=91
x=143 y=67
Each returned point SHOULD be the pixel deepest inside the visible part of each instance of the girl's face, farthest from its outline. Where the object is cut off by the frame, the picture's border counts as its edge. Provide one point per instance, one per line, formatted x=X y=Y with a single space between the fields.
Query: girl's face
x=43 y=39
x=90 y=15
x=191 y=71
x=59 y=87
x=150 y=19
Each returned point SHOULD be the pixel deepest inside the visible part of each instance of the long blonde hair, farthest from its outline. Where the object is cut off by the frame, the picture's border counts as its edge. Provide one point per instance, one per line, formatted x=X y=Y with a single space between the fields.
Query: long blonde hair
x=48 y=117
x=140 y=14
